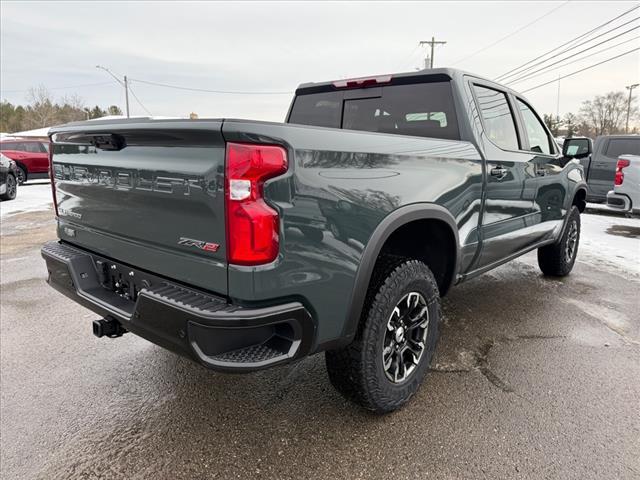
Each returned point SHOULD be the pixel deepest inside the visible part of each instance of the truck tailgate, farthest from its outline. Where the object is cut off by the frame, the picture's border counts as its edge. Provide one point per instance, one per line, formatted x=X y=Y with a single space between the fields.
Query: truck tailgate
x=148 y=193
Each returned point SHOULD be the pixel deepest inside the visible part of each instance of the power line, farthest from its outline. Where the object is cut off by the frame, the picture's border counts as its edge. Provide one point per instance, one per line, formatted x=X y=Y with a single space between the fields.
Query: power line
x=576 y=60
x=63 y=88
x=581 y=70
x=593 y=30
x=138 y=100
x=498 y=78
x=511 y=34
x=526 y=75
x=408 y=58
x=573 y=47
x=177 y=87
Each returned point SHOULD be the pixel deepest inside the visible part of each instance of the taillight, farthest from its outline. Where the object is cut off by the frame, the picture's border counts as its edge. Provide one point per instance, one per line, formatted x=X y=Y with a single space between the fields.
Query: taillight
x=622 y=163
x=252 y=225
x=52 y=177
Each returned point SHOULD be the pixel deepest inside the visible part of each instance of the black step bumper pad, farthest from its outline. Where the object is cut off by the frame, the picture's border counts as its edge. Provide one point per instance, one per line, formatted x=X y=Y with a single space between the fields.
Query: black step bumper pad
x=196 y=324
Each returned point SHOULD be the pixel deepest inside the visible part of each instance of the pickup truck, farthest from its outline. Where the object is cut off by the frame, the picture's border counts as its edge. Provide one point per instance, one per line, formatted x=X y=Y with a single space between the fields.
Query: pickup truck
x=625 y=196
x=247 y=244
x=600 y=160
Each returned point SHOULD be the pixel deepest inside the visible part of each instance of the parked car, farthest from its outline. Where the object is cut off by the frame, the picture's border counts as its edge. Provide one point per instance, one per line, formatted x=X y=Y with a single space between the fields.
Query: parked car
x=191 y=233
x=31 y=157
x=600 y=160
x=8 y=178
x=625 y=195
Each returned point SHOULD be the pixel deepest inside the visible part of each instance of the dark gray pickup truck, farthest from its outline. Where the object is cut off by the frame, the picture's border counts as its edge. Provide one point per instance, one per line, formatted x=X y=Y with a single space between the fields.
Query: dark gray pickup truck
x=244 y=245
x=600 y=160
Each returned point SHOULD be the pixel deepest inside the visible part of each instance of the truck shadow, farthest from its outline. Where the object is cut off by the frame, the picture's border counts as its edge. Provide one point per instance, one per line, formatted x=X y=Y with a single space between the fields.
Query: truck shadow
x=290 y=423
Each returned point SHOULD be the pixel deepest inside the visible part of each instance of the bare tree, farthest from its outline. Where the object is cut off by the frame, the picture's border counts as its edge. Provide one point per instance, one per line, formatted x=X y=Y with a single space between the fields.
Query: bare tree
x=41 y=110
x=553 y=123
x=604 y=115
x=71 y=109
x=570 y=121
x=114 y=110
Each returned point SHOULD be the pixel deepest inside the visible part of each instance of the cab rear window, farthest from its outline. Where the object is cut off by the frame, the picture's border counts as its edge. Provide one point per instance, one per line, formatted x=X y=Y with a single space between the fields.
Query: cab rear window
x=421 y=109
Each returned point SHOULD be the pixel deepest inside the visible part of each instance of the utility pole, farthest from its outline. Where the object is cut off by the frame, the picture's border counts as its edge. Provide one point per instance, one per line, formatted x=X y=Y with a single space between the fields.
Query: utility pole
x=126 y=94
x=630 y=88
x=433 y=43
x=124 y=83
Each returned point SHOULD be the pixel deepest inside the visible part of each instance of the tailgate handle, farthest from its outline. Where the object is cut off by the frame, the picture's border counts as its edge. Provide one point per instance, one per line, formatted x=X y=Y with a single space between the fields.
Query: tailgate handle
x=108 y=141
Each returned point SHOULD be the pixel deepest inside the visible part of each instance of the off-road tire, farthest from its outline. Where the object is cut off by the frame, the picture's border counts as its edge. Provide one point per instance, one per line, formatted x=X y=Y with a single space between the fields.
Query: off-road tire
x=553 y=259
x=357 y=370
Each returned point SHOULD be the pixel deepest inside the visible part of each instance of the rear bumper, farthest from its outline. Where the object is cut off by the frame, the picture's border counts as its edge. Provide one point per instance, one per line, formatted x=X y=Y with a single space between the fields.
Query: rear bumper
x=618 y=201
x=198 y=325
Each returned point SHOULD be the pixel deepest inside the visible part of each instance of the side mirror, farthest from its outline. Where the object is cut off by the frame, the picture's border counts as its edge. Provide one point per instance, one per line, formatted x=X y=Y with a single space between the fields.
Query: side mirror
x=577 y=147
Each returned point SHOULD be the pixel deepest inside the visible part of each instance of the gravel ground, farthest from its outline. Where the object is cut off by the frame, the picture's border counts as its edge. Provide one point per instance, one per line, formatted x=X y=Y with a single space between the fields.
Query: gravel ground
x=533 y=378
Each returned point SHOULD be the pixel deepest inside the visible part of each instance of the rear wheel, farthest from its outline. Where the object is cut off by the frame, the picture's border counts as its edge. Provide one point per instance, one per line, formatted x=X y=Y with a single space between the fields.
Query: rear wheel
x=557 y=260
x=10 y=192
x=22 y=174
x=386 y=362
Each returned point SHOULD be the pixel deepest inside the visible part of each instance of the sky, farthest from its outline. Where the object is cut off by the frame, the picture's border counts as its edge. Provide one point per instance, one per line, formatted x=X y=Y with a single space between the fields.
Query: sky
x=274 y=46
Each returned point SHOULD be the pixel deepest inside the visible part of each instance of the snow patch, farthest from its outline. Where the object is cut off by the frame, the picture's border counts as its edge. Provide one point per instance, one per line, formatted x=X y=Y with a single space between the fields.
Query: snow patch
x=31 y=197
x=605 y=241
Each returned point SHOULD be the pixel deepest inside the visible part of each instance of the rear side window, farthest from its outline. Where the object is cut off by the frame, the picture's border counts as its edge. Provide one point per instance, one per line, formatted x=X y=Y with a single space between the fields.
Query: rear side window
x=499 y=124
x=32 y=147
x=623 y=146
x=539 y=141
x=422 y=110
x=319 y=109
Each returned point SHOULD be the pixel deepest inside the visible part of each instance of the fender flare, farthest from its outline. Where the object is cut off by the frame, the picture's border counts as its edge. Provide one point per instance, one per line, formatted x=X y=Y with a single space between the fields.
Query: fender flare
x=393 y=221
x=578 y=186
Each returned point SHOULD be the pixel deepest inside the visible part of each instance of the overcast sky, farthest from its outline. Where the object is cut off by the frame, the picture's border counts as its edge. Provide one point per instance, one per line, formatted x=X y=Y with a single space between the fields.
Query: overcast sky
x=272 y=47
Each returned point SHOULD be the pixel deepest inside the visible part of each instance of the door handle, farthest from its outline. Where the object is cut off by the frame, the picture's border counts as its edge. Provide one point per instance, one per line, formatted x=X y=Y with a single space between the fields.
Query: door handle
x=499 y=172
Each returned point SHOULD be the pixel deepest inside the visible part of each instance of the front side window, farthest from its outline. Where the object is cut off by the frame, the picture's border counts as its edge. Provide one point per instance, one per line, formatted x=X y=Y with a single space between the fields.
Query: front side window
x=539 y=141
x=498 y=121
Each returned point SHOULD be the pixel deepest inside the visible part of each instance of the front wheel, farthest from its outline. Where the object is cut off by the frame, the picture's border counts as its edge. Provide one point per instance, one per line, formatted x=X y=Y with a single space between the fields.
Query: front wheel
x=386 y=362
x=10 y=192
x=557 y=260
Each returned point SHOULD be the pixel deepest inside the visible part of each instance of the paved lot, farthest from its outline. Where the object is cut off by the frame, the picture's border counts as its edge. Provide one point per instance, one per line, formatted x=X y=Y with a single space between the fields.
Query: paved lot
x=533 y=378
